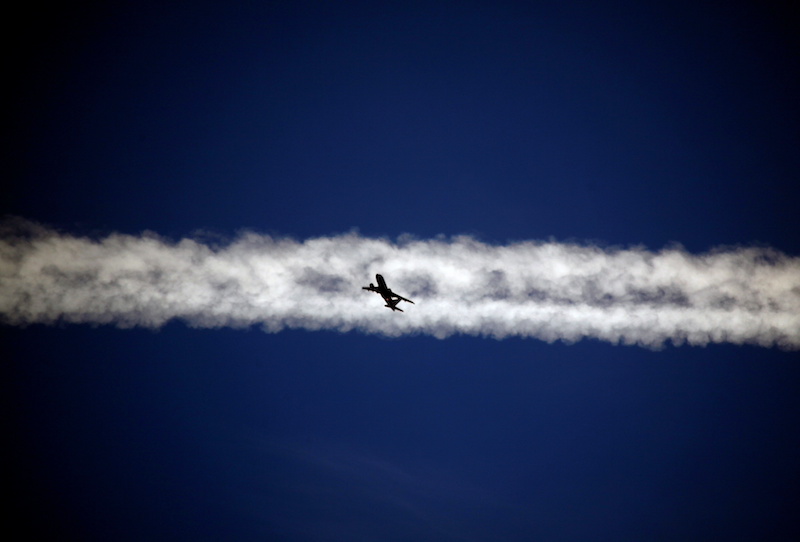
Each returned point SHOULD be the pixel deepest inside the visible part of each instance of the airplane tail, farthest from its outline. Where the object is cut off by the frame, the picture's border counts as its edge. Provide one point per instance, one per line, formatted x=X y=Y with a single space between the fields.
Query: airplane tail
x=394 y=308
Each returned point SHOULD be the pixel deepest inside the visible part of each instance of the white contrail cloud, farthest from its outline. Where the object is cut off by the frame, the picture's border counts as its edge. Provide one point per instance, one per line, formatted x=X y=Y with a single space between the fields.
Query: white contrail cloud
x=547 y=290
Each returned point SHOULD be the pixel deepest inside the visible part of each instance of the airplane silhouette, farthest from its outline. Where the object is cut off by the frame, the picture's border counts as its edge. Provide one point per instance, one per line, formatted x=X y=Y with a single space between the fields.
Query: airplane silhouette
x=391 y=298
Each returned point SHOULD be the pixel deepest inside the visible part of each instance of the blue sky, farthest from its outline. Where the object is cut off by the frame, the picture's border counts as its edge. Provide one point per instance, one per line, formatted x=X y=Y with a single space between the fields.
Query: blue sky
x=609 y=124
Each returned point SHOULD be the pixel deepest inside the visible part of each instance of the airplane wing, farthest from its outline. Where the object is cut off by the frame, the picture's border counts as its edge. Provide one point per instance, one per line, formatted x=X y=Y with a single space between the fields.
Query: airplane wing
x=402 y=298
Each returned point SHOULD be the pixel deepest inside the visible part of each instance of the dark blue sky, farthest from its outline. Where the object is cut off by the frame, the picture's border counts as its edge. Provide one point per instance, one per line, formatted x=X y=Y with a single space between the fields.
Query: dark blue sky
x=608 y=122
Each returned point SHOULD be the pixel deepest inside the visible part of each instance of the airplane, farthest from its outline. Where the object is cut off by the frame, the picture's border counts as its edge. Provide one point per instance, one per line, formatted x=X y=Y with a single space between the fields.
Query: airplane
x=391 y=298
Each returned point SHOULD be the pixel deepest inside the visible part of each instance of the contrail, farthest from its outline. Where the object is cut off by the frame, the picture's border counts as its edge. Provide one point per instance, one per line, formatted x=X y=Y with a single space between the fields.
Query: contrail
x=546 y=290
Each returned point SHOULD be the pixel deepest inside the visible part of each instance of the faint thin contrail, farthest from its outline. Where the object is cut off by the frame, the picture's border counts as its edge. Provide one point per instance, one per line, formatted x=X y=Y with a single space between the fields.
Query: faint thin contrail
x=546 y=290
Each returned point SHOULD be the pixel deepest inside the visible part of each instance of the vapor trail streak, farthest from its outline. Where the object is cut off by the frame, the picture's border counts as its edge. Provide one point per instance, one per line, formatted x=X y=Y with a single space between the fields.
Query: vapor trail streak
x=546 y=290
